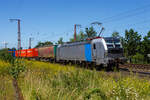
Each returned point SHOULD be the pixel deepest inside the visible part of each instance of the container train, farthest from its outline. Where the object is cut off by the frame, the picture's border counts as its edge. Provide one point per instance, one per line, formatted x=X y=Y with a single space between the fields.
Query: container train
x=97 y=51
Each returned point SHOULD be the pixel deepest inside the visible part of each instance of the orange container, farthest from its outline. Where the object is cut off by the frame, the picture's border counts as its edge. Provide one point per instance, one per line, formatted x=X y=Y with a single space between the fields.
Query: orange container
x=35 y=52
x=32 y=52
x=23 y=53
x=29 y=53
x=18 y=53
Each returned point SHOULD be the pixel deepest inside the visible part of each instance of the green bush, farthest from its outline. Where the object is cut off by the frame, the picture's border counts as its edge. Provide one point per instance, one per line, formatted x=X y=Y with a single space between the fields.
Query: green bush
x=6 y=56
x=138 y=58
x=17 y=67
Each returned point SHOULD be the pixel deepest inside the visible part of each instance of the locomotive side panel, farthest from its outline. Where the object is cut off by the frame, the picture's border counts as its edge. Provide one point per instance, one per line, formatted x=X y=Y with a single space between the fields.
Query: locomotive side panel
x=71 y=52
x=99 y=51
x=88 y=53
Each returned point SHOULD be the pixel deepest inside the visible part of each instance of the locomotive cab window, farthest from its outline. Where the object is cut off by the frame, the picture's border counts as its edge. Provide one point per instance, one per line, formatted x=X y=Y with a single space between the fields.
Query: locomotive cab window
x=94 y=46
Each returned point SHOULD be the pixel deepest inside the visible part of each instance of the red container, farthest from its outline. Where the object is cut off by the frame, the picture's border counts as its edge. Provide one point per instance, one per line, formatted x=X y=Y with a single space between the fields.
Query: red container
x=35 y=52
x=23 y=53
x=18 y=53
x=29 y=53
x=32 y=52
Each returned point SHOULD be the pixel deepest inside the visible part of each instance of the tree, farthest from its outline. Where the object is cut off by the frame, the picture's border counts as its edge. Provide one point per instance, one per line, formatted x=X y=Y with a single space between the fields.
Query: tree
x=41 y=44
x=145 y=47
x=80 y=37
x=90 y=32
x=115 y=34
x=60 y=41
x=72 y=40
x=131 y=42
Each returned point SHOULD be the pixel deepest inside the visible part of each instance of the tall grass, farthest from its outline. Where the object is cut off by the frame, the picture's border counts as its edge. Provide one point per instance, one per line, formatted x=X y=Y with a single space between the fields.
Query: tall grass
x=45 y=81
x=6 y=88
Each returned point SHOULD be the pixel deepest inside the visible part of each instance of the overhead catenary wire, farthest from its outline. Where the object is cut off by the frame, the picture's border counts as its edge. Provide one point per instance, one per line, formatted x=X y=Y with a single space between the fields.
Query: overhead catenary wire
x=129 y=13
x=124 y=17
x=144 y=24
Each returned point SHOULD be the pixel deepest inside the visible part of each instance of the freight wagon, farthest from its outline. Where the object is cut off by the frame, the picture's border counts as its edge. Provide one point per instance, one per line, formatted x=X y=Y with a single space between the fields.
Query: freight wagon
x=47 y=53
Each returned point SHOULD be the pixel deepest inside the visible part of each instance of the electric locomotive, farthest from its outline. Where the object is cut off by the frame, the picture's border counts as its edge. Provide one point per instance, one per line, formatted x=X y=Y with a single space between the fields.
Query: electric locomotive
x=99 y=51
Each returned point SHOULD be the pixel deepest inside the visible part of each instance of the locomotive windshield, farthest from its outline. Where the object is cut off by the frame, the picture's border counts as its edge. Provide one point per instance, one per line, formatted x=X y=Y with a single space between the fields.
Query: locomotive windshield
x=113 y=44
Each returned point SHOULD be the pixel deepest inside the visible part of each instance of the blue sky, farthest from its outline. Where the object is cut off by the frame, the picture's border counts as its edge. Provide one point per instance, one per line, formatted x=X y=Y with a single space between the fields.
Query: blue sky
x=48 y=20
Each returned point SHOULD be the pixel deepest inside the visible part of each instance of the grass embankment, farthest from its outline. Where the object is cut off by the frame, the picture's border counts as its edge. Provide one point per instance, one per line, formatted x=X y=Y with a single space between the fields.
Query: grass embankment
x=44 y=81
x=6 y=88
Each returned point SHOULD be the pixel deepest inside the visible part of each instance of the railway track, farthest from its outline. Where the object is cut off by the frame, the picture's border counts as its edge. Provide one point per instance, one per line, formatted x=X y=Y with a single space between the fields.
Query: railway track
x=143 y=70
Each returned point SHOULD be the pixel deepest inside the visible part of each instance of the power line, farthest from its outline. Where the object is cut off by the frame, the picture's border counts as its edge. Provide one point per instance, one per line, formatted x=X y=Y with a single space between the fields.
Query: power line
x=125 y=17
x=126 y=14
x=133 y=25
x=139 y=22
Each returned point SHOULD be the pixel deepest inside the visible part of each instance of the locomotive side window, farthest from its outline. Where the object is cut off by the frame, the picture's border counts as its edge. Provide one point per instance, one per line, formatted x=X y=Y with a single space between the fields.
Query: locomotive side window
x=94 y=46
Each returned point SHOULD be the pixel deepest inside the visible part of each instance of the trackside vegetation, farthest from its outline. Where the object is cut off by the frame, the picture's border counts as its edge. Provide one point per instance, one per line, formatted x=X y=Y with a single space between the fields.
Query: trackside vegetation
x=46 y=81
x=136 y=47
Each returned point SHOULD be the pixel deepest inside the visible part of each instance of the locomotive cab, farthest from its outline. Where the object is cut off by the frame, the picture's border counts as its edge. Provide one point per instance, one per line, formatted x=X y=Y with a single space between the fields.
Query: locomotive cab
x=107 y=51
x=115 y=50
x=99 y=50
x=114 y=46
